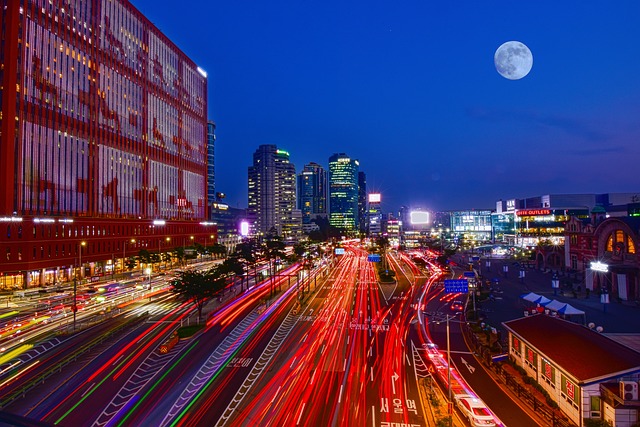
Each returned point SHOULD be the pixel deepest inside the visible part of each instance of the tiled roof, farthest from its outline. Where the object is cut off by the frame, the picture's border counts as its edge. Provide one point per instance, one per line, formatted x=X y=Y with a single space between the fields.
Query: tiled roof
x=583 y=353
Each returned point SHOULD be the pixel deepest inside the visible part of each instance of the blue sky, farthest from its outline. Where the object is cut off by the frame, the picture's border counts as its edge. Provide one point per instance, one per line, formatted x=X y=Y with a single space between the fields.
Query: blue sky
x=411 y=90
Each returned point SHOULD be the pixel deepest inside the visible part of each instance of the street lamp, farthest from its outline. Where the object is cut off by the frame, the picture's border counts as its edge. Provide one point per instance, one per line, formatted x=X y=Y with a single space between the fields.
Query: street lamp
x=75 y=288
x=168 y=239
x=448 y=318
x=555 y=283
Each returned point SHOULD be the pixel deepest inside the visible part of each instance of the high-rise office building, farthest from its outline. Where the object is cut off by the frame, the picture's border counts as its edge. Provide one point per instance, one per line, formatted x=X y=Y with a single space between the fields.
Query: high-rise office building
x=211 y=157
x=363 y=221
x=312 y=192
x=272 y=193
x=343 y=192
x=103 y=149
x=374 y=215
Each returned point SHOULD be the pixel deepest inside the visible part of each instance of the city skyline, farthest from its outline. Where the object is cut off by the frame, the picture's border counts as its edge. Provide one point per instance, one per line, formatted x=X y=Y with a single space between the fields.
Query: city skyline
x=412 y=92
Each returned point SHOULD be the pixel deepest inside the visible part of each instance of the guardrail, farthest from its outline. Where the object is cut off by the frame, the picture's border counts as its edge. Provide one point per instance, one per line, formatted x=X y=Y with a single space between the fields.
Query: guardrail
x=31 y=384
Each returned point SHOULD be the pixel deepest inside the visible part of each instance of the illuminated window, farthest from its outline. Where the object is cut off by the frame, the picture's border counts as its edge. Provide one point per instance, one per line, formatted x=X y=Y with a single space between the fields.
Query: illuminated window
x=619 y=236
x=610 y=244
x=631 y=247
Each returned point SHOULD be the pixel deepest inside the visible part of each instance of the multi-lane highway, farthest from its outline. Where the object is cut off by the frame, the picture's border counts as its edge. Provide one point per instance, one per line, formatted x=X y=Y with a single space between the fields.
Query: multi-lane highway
x=334 y=347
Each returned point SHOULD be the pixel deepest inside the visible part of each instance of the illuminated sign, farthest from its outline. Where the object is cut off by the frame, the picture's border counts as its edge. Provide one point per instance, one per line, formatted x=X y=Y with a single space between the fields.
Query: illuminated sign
x=206 y=223
x=202 y=72
x=374 y=198
x=44 y=220
x=10 y=219
x=533 y=212
x=600 y=267
x=339 y=251
x=419 y=217
x=159 y=222
x=244 y=228
x=282 y=152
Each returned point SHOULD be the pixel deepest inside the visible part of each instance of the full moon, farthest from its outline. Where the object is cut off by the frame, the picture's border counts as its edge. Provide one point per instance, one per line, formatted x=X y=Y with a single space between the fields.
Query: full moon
x=513 y=60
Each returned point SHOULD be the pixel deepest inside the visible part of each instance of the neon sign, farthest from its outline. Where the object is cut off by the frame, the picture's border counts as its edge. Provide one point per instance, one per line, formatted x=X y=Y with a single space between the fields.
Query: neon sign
x=533 y=212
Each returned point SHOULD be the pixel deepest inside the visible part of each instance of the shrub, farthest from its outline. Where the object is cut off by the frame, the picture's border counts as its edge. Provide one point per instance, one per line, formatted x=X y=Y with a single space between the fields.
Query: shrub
x=189 y=331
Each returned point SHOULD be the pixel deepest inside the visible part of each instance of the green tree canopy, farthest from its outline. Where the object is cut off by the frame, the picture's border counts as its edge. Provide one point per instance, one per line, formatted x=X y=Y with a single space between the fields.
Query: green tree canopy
x=199 y=286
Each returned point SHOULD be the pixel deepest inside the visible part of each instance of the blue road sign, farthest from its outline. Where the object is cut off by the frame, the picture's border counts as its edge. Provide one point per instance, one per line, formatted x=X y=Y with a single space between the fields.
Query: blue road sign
x=469 y=274
x=373 y=258
x=475 y=258
x=454 y=286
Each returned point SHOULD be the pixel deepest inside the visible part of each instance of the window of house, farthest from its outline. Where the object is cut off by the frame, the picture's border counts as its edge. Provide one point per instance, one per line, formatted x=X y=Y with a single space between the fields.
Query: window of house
x=595 y=407
x=631 y=247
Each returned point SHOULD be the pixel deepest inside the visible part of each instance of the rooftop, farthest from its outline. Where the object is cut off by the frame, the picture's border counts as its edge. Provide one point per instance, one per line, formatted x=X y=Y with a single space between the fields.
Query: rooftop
x=583 y=353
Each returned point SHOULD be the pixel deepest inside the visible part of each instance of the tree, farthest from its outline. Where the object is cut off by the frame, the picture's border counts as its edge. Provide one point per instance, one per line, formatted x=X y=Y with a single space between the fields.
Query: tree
x=181 y=255
x=145 y=256
x=166 y=257
x=199 y=286
x=130 y=263
x=236 y=267
x=383 y=244
x=155 y=258
x=273 y=251
x=218 y=250
x=248 y=251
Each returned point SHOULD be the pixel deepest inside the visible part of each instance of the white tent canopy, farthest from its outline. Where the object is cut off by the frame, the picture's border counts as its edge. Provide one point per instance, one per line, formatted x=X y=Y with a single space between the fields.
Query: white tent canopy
x=535 y=298
x=569 y=309
x=555 y=305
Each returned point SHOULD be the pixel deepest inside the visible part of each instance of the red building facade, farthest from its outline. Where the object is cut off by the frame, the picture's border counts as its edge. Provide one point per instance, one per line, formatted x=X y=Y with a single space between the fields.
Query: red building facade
x=613 y=244
x=103 y=130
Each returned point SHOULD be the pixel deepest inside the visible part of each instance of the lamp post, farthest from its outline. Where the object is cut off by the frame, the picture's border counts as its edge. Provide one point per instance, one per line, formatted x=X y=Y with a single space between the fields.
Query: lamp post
x=449 y=370
x=75 y=288
x=124 y=252
x=555 y=283
x=449 y=390
x=168 y=239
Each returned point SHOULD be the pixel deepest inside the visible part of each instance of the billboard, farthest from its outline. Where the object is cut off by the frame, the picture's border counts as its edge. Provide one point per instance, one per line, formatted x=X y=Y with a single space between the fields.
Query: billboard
x=244 y=228
x=374 y=198
x=339 y=251
x=419 y=217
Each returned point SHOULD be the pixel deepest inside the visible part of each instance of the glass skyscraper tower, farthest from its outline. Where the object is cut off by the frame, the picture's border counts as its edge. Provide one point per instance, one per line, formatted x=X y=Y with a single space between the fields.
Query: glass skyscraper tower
x=343 y=192
x=312 y=191
x=272 y=193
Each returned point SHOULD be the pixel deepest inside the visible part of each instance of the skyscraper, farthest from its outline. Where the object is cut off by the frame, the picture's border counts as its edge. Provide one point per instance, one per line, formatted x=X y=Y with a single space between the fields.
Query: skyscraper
x=312 y=191
x=343 y=192
x=363 y=222
x=103 y=149
x=374 y=215
x=272 y=193
x=211 y=170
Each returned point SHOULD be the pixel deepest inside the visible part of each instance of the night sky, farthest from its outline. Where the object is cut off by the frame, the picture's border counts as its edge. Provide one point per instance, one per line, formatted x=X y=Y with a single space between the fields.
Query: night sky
x=410 y=89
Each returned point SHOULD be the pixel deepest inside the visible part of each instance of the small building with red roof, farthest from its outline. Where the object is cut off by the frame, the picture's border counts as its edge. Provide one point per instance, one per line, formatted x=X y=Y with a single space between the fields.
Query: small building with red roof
x=579 y=368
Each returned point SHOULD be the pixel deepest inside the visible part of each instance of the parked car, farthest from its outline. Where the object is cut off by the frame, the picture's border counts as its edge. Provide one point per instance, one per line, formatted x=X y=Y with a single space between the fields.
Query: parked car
x=474 y=410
